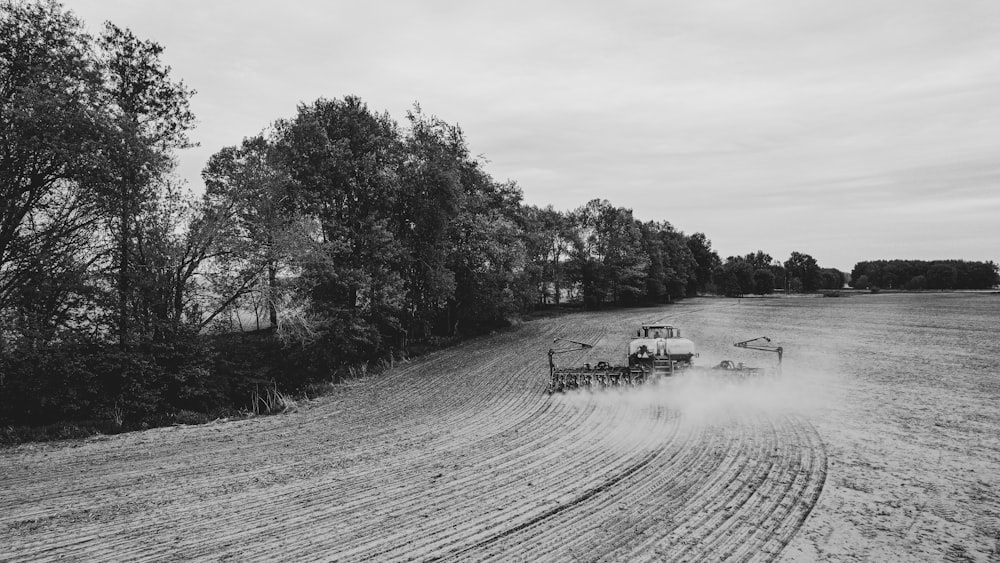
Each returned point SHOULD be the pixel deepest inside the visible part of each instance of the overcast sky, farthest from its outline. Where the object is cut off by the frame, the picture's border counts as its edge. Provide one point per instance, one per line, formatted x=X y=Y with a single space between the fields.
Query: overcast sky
x=846 y=130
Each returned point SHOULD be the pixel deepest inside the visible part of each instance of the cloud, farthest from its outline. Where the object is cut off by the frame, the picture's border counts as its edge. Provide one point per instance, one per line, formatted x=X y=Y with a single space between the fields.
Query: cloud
x=779 y=125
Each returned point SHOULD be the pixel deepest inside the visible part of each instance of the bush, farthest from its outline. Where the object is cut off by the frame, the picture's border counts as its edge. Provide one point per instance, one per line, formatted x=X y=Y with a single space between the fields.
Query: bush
x=46 y=384
x=79 y=387
x=249 y=360
x=81 y=380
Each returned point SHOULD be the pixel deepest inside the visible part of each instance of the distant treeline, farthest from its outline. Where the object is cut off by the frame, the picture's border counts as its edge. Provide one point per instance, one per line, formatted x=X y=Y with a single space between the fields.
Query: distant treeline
x=334 y=241
x=920 y=274
x=759 y=274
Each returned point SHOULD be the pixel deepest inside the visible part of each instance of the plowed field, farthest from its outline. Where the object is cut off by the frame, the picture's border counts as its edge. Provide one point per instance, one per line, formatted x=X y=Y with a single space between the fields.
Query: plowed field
x=879 y=441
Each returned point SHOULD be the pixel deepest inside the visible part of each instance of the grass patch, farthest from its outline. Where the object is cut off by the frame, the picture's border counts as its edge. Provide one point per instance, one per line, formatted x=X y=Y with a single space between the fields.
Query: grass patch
x=270 y=400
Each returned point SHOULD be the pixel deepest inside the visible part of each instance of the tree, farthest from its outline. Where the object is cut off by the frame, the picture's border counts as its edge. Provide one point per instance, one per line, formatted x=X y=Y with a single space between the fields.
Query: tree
x=547 y=243
x=342 y=161
x=832 y=278
x=194 y=263
x=735 y=278
x=763 y=282
x=759 y=260
x=149 y=117
x=725 y=281
x=50 y=140
x=804 y=268
x=706 y=262
x=246 y=196
x=941 y=276
x=893 y=274
x=765 y=272
x=170 y=243
x=671 y=264
x=916 y=283
x=430 y=199
x=488 y=255
x=779 y=274
x=608 y=253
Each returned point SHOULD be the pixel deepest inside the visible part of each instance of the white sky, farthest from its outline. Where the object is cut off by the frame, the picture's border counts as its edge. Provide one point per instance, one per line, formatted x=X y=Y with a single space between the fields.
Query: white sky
x=848 y=130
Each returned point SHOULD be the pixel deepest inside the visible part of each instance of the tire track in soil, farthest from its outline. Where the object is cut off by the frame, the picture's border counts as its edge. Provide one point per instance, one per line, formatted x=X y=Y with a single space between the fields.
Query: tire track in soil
x=456 y=456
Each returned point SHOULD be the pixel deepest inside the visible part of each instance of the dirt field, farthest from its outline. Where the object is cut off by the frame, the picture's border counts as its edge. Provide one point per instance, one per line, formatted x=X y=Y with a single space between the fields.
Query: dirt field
x=880 y=442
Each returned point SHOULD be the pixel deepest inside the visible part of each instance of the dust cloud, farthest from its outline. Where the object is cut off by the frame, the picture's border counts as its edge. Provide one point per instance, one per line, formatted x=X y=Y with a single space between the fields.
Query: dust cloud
x=714 y=396
x=708 y=396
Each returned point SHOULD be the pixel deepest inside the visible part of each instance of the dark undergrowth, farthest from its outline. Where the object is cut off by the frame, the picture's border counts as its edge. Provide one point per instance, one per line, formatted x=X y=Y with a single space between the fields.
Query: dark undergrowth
x=77 y=390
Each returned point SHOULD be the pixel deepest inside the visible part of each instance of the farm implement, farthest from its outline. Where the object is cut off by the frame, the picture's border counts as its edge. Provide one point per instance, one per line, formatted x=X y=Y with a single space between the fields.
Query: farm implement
x=738 y=368
x=657 y=351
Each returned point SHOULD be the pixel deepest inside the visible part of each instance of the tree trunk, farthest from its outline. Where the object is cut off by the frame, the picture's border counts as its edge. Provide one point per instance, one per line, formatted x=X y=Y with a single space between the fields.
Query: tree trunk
x=272 y=295
x=123 y=263
x=178 y=305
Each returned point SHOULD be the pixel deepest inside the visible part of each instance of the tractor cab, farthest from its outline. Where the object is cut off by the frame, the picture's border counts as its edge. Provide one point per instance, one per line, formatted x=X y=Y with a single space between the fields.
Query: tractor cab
x=658 y=331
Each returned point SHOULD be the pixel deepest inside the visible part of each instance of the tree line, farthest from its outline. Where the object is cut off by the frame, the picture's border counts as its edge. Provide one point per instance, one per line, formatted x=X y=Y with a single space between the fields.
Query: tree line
x=336 y=240
x=921 y=274
x=758 y=273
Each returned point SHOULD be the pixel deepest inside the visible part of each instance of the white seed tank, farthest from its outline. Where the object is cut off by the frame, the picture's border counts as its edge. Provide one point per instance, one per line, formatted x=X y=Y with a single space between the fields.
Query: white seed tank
x=661 y=341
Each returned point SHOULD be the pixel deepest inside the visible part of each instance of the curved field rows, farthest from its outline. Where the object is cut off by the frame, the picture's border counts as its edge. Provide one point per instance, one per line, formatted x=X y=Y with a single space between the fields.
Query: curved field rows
x=459 y=455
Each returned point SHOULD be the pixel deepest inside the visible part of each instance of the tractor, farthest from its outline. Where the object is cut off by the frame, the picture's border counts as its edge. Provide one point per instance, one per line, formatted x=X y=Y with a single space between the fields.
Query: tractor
x=657 y=351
